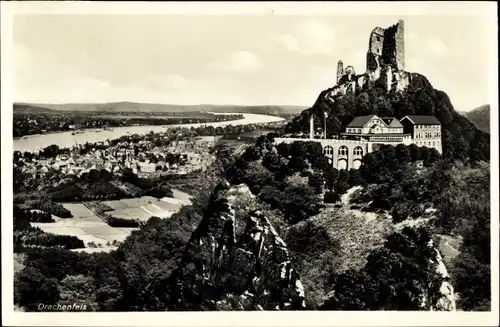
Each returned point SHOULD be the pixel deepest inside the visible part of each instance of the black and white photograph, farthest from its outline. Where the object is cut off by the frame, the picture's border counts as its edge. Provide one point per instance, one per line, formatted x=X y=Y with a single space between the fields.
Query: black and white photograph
x=190 y=161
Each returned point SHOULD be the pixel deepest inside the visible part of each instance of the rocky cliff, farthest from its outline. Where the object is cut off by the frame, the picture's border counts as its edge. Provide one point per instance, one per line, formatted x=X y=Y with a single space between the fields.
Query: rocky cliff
x=235 y=265
x=442 y=293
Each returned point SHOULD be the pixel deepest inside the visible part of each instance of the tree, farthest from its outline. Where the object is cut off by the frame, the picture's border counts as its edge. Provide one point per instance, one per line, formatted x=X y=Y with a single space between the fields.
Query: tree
x=400 y=212
x=316 y=182
x=355 y=178
x=331 y=197
x=78 y=289
x=32 y=288
x=257 y=175
x=252 y=153
x=299 y=202
x=271 y=195
x=394 y=278
x=331 y=175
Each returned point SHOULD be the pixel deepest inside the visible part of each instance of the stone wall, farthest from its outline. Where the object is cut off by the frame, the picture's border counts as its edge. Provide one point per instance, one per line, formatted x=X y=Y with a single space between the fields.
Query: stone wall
x=340 y=70
x=332 y=147
x=400 y=46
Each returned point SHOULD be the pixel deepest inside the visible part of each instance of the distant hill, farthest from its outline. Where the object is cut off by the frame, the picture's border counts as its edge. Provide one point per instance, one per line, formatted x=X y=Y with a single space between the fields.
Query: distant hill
x=26 y=108
x=480 y=117
x=155 y=107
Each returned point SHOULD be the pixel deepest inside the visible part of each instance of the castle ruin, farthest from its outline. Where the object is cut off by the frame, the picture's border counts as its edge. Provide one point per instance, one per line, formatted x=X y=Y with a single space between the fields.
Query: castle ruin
x=385 y=64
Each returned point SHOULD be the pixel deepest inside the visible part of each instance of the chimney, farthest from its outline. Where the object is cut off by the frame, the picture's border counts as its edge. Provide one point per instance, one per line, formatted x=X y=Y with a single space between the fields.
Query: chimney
x=311 y=127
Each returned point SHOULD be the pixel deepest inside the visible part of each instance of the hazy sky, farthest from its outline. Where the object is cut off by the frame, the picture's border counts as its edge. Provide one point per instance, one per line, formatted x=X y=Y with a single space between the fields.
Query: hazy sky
x=250 y=60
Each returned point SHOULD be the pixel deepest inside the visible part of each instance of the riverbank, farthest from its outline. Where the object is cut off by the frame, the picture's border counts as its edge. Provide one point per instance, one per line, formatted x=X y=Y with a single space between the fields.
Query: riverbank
x=37 y=142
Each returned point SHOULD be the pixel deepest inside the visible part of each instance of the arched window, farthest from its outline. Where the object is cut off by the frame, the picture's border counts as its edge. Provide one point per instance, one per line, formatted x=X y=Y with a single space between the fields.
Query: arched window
x=433 y=143
x=343 y=151
x=328 y=150
x=358 y=151
x=342 y=164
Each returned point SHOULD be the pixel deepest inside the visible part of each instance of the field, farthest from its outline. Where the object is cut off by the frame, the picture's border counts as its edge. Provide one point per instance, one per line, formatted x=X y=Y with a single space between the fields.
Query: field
x=90 y=228
x=144 y=208
x=84 y=225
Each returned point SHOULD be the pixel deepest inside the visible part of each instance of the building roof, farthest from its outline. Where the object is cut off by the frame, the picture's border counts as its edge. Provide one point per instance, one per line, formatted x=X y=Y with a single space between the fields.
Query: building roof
x=392 y=122
x=422 y=120
x=360 y=121
x=376 y=134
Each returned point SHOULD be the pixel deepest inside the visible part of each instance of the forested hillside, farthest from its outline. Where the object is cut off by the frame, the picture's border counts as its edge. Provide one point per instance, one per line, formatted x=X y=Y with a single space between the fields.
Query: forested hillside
x=480 y=117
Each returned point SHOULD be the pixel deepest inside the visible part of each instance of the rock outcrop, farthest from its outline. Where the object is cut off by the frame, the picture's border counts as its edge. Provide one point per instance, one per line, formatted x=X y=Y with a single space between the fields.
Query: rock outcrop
x=222 y=270
x=443 y=295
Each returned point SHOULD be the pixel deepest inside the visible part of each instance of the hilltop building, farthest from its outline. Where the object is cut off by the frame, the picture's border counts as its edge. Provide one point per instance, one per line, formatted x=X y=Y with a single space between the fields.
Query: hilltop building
x=385 y=64
x=425 y=131
x=364 y=133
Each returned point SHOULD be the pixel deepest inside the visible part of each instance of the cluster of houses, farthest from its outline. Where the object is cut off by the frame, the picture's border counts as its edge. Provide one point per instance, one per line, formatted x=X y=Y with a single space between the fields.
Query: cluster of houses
x=143 y=158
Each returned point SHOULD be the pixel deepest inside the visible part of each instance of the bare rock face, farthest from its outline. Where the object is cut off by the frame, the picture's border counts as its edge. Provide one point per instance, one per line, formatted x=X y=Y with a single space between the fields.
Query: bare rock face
x=440 y=296
x=222 y=272
x=444 y=295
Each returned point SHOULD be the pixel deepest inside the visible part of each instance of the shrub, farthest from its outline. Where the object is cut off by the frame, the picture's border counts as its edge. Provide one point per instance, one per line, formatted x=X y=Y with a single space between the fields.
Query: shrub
x=331 y=197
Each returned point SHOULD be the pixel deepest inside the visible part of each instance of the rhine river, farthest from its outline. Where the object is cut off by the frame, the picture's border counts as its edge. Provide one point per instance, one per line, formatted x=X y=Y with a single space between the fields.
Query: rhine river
x=33 y=143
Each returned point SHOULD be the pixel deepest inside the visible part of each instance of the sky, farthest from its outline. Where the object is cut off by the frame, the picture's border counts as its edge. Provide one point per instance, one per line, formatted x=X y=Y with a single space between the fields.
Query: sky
x=243 y=60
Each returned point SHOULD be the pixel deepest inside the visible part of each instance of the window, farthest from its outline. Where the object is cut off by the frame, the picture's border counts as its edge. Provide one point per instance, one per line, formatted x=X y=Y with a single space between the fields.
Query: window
x=328 y=150
x=358 y=151
x=378 y=38
x=433 y=143
x=343 y=151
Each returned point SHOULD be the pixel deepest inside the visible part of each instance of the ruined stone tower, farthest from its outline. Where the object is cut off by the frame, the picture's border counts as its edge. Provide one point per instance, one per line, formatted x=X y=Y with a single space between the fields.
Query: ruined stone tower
x=385 y=64
x=340 y=70
x=386 y=48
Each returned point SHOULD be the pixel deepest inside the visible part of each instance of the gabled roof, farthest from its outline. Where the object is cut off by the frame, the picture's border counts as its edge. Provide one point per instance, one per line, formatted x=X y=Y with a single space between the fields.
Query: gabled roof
x=393 y=123
x=422 y=120
x=360 y=121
